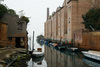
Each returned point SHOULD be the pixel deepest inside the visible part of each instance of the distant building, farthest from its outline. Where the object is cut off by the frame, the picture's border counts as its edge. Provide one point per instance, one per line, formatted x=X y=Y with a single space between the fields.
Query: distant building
x=16 y=30
x=68 y=19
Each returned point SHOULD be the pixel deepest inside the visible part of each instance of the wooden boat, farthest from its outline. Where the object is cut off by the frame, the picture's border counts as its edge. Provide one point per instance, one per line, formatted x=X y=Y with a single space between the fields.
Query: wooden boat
x=92 y=54
x=38 y=53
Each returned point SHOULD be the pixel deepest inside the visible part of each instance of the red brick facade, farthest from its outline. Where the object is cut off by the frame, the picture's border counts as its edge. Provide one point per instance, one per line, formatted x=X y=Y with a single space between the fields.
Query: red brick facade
x=66 y=22
x=68 y=19
x=3 y=34
x=87 y=40
x=5 y=41
x=10 y=35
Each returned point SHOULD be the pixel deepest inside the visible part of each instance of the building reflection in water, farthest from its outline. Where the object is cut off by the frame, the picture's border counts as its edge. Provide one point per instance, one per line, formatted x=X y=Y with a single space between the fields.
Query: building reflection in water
x=55 y=58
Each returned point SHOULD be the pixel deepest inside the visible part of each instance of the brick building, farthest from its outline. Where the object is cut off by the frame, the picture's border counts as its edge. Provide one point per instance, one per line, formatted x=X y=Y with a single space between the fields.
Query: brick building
x=68 y=19
x=3 y=34
x=14 y=32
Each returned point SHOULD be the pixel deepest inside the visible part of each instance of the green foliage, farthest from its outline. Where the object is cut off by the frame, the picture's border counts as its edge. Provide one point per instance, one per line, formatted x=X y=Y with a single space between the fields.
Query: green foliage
x=3 y=10
x=39 y=38
x=92 y=19
x=11 y=11
x=26 y=19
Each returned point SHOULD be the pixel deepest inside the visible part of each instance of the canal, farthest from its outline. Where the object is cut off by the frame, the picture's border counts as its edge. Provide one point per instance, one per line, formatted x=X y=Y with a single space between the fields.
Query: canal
x=61 y=58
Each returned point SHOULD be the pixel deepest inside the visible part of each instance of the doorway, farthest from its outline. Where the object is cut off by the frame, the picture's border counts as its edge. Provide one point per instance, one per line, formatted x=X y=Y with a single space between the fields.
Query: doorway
x=18 y=45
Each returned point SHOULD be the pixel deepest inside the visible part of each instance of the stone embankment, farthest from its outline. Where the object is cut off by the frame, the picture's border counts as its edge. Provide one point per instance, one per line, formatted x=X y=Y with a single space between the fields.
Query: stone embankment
x=9 y=54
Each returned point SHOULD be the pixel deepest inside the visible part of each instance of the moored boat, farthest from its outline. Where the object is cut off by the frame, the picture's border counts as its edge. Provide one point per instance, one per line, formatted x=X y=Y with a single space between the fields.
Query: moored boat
x=73 y=49
x=38 y=59
x=92 y=54
x=38 y=53
x=61 y=47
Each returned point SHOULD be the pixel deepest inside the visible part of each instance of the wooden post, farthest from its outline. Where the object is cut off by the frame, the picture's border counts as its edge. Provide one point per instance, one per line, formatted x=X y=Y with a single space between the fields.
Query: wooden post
x=33 y=39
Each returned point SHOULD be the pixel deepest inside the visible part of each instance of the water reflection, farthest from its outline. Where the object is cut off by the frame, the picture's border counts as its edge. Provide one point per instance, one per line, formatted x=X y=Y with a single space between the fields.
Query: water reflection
x=37 y=62
x=56 y=58
x=92 y=63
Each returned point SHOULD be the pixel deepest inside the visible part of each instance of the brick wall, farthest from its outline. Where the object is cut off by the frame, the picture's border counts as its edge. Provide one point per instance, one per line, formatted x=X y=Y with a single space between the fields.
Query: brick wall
x=62 y=23
x=52 y=27
x=90 y=40
x=3 y=34
x=11 y=42
x=59 y=25
x=65 y=23
x=78 y=36
x=45 y=30
x=9 y=28
x=68 y=18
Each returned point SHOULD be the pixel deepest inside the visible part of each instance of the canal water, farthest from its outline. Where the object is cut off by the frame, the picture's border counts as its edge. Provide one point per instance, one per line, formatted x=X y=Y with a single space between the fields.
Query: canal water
x=61 y=58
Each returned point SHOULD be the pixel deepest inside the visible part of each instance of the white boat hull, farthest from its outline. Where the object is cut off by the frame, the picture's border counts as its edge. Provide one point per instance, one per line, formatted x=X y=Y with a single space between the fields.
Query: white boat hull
x=91 y=55
x=37 y=59
x=73 y=49
x=38 y=54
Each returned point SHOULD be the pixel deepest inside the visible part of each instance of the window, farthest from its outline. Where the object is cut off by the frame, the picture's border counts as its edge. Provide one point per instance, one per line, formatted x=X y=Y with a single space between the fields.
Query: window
x=62 y=32
x=62 y=23
x=58 y=33
x=10 y=38
x=20 y=26
x=69 y=20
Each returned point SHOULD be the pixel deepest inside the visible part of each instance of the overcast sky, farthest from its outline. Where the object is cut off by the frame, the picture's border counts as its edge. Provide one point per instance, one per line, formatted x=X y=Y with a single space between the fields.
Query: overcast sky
x=36 y=9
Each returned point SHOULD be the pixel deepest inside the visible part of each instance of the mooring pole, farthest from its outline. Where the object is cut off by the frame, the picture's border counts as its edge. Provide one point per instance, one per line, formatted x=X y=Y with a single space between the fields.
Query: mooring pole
x=33 y=39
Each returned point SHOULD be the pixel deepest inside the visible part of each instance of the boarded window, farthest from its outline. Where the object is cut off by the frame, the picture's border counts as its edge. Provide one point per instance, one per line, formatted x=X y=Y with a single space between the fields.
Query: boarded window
x=19 y=25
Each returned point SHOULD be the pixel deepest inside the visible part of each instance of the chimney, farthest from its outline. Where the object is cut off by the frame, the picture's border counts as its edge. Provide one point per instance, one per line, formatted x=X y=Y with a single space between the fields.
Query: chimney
x=47 y=13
